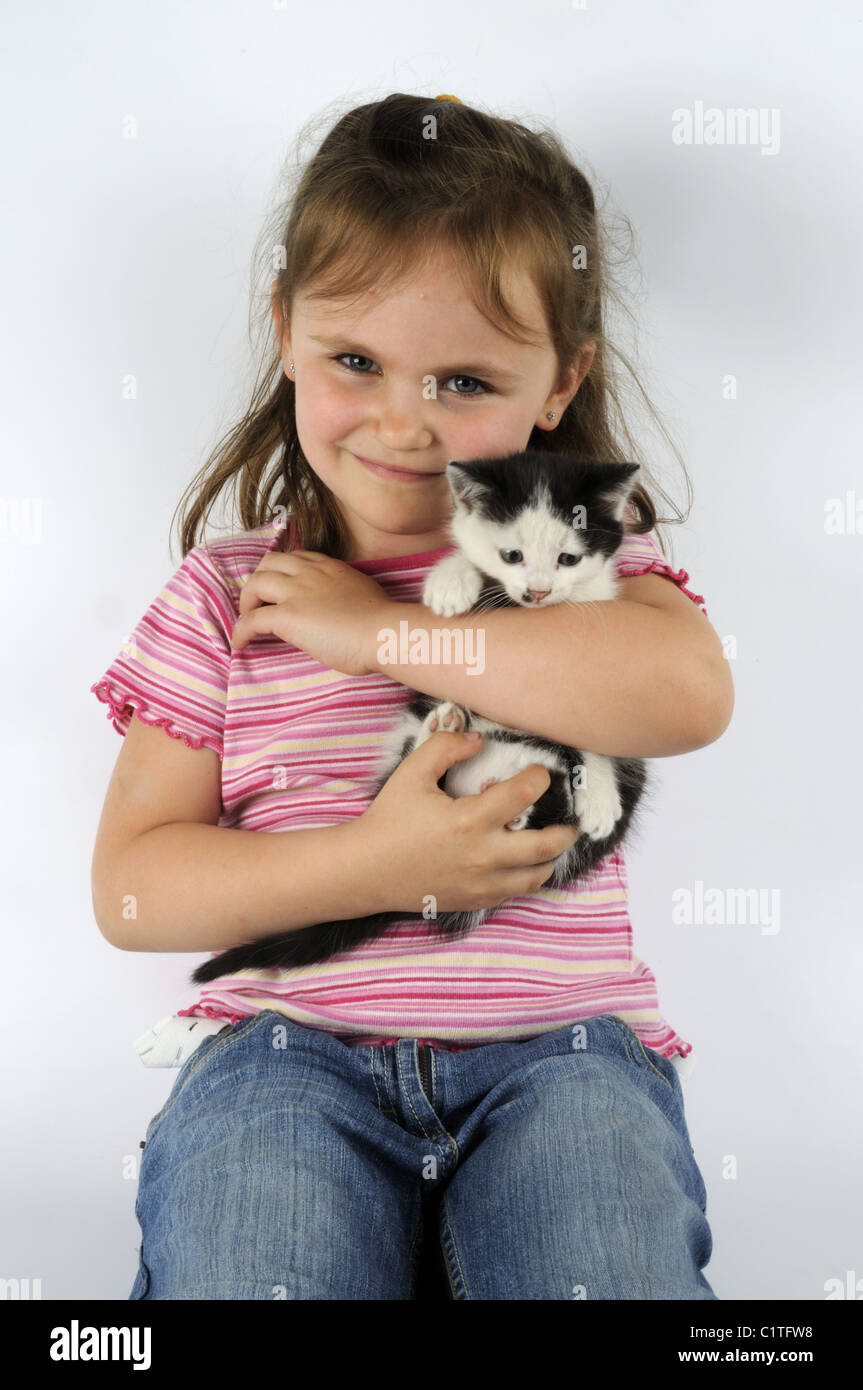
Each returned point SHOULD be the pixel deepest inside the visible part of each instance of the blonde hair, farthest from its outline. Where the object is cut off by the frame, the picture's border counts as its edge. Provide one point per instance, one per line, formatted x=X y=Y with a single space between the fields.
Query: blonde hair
x=375 y=198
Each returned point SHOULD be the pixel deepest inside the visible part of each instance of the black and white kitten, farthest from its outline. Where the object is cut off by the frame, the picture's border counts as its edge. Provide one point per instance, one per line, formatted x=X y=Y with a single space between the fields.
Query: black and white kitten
x=533 y=529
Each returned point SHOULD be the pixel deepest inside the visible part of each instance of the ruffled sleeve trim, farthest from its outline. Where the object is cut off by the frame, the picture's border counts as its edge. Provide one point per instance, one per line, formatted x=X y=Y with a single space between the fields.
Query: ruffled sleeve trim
x=631 y=569
x=212 y=1011
x=122 y=704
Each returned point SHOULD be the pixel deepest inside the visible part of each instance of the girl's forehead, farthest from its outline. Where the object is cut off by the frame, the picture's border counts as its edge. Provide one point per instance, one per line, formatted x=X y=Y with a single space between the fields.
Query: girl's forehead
x=438 y=294
x=441 y=274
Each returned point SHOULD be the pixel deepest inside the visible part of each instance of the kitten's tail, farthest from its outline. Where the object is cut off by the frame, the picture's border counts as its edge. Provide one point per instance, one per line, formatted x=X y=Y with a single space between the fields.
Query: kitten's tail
x=320 y=942
x=307 y=946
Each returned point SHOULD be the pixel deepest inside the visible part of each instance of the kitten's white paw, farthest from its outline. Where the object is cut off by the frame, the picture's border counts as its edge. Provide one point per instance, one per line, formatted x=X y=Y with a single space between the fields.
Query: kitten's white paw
x=451 y=589
x=598 y=810
x=446 y=715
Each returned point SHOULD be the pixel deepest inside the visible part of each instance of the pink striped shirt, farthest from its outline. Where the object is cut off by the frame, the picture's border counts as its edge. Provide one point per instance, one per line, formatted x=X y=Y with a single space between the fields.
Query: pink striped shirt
x=300 y=745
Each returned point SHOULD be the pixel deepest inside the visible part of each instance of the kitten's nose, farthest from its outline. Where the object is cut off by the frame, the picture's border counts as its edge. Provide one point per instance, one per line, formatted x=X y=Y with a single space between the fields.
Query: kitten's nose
x=537 y=594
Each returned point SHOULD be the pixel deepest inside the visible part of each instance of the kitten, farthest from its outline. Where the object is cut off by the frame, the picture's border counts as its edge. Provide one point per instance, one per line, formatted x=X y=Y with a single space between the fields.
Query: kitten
x=533 y=529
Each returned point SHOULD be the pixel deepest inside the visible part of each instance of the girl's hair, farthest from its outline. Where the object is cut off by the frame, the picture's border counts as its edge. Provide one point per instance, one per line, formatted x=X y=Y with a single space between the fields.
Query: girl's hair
x=394 y=182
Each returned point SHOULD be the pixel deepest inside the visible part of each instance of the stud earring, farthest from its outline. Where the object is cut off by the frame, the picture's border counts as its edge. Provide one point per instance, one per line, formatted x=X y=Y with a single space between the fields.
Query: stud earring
x=549 y=415
x=292 y=366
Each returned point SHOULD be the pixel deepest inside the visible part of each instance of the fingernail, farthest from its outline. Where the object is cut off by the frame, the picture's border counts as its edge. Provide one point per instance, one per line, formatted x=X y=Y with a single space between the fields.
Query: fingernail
x=471 y=733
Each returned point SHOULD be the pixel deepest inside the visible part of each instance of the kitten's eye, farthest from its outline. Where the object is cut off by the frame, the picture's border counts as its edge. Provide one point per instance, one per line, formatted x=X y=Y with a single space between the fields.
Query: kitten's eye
x=510 y=557
x=566 y=559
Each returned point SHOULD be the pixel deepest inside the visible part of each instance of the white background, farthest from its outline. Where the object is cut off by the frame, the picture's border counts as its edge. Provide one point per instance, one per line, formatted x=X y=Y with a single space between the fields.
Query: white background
x=127 y=256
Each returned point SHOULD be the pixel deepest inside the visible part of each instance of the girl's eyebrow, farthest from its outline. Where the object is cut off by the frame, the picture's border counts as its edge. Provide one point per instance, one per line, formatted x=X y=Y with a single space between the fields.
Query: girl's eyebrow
x=463 y=368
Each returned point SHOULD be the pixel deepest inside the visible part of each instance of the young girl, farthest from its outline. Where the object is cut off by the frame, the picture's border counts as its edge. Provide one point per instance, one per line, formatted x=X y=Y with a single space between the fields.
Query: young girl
x=510 y=1100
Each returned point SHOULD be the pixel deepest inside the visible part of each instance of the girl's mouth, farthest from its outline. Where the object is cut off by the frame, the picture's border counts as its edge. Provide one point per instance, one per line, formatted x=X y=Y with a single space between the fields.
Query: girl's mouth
x=405 y=475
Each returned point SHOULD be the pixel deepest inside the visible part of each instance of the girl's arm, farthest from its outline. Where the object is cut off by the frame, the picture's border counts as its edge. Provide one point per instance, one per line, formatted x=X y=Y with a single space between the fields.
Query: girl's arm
x=640 y=676
x=167 y=877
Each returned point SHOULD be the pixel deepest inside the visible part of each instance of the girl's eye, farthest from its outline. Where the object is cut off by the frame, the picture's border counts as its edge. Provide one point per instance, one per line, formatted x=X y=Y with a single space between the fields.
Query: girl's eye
x=485 y=389
x=356 y=356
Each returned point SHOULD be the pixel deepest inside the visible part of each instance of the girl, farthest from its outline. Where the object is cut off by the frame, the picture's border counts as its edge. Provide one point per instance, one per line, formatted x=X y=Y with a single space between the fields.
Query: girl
x=512 y=1100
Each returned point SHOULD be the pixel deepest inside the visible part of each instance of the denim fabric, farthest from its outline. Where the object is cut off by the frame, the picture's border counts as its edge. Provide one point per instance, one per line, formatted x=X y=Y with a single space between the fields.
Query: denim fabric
x=287 y=1165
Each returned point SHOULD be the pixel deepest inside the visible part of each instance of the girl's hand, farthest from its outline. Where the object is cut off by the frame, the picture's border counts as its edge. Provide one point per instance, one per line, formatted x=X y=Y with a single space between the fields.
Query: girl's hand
x=457 y=850
x=319 y=604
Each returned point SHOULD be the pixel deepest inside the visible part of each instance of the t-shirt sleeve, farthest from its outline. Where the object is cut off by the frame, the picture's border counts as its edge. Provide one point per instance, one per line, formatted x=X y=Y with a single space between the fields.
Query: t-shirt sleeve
x=642 y=555
x=174 y=666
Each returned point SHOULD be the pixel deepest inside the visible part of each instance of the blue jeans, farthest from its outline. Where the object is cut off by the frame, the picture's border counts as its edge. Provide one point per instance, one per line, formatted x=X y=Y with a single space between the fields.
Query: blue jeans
x=286 y=1165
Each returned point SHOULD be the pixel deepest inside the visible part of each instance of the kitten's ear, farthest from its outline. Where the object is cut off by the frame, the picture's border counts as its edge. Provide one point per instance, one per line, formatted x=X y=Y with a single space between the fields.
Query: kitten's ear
x=468 y=489
x=617 y=492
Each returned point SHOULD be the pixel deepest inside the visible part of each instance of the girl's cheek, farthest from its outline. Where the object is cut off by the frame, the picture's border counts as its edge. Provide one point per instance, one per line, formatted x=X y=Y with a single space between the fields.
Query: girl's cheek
x=324 y=412
x=492 y=436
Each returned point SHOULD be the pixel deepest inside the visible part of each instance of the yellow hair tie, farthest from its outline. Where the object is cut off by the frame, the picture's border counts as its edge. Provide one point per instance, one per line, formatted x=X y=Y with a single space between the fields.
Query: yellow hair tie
x=446 y=97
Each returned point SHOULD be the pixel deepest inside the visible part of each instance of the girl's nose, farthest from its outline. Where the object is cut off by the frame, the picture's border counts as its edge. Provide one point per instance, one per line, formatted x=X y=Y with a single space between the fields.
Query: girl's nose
x=403 y=428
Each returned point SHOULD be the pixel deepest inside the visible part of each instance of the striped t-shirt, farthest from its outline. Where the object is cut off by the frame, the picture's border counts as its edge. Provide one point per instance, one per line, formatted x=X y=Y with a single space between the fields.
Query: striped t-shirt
x=300 y=748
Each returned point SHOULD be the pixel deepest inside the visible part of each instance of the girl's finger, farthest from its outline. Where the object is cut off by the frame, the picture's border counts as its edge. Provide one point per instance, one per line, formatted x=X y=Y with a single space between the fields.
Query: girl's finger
x=263 y=587
x=260 y=620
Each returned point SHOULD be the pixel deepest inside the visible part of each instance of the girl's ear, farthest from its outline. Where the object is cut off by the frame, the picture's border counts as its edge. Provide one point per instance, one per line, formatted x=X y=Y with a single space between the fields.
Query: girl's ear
x=277 y=316
x=571 y=381
x=588 y=352
x=581 y=366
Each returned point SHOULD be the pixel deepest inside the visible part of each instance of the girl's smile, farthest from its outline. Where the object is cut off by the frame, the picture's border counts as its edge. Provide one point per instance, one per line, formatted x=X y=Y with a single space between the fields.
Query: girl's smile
x=397 y=475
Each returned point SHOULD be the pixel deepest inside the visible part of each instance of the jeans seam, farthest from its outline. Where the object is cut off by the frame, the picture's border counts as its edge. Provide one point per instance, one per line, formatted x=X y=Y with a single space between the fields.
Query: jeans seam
x=632 y=1036
x=656 y=1069
x=143 y=1272
x=375 y=1079
x=449 y=1249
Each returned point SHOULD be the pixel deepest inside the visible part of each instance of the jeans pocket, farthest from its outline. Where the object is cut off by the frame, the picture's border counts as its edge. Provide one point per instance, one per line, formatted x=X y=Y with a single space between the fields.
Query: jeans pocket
x=640 y=1054
x=148 y=1133
x=207 y=1048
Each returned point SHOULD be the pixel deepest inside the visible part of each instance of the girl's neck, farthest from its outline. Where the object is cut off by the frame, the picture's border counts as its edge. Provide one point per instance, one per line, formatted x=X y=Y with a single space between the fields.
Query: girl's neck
x=291 y=538
x=410 y=558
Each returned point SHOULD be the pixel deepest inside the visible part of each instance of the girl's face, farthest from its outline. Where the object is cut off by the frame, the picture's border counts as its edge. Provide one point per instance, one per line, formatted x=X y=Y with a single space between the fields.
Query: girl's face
x=409 y=381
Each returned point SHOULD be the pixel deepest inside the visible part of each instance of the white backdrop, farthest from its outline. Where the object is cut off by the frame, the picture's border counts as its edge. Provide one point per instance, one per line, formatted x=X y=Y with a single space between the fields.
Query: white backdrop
x=132 y=257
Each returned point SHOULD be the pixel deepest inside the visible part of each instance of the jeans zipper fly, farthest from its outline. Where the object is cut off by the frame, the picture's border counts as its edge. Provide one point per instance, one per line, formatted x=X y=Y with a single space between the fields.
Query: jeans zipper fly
x=425 y=1080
